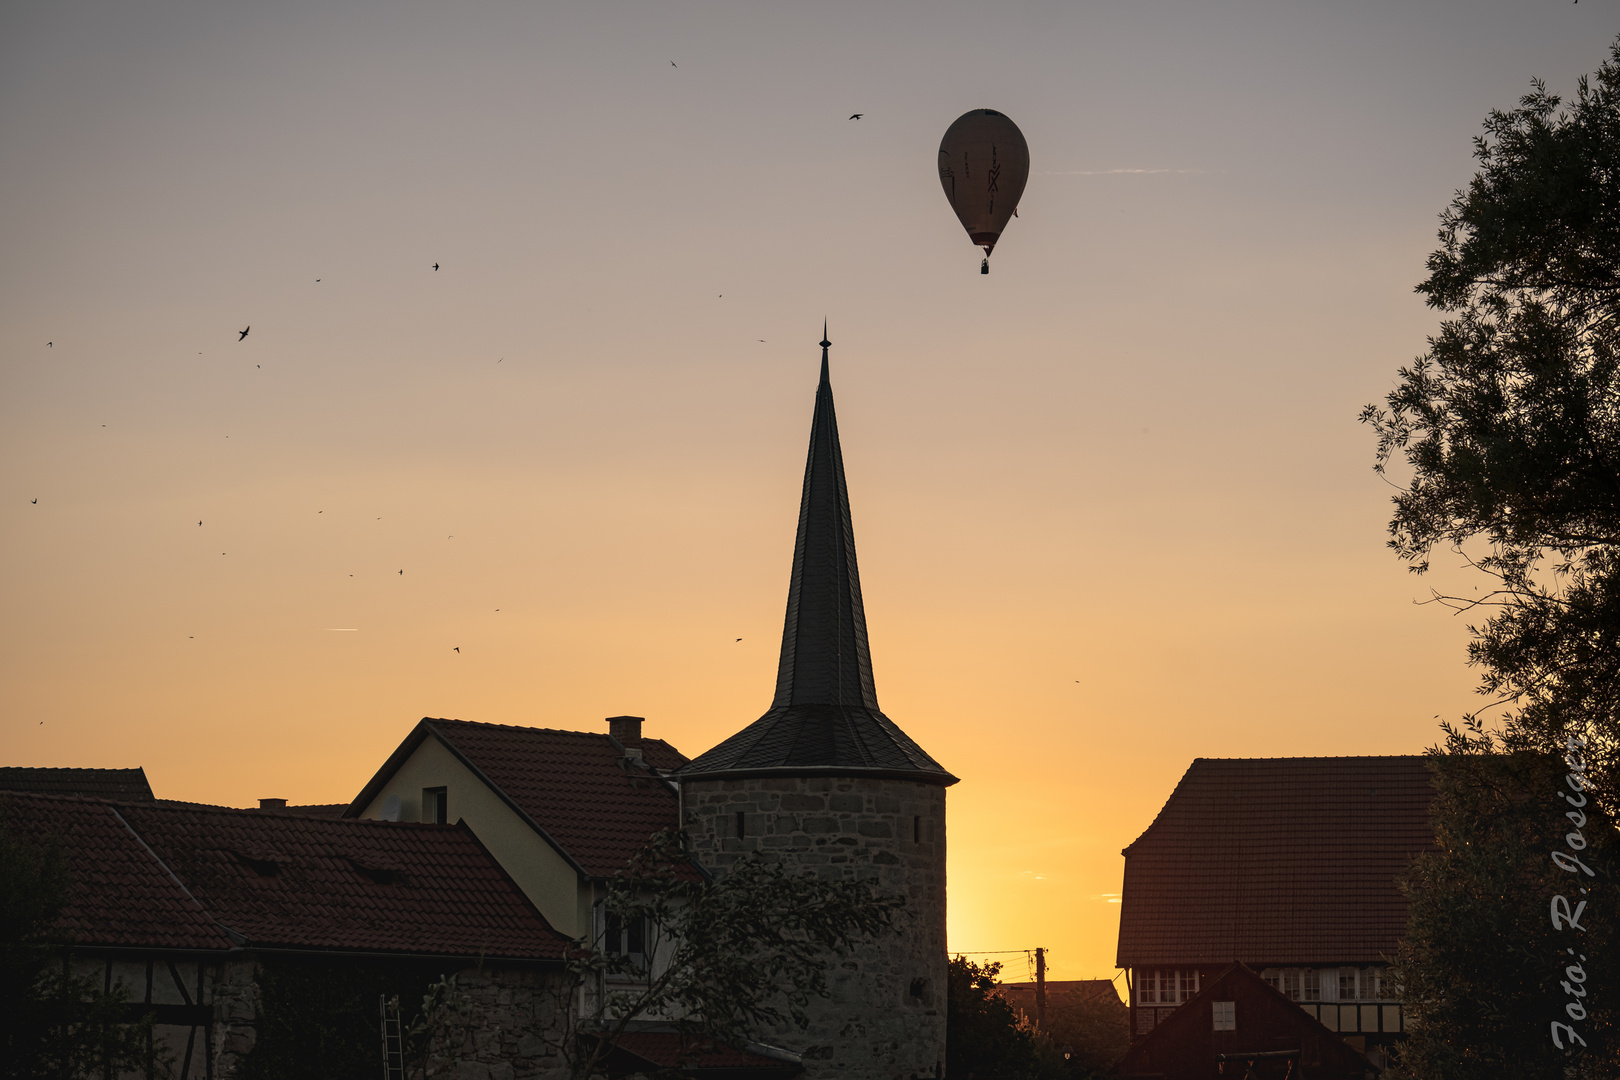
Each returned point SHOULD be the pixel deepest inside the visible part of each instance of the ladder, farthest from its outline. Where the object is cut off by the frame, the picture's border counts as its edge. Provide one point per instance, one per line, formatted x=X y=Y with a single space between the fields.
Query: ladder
x=393 y=1045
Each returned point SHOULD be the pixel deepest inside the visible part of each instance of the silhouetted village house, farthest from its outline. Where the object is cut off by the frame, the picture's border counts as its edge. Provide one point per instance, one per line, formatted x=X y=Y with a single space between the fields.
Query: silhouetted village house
x=1259 y=910
x=484 y=849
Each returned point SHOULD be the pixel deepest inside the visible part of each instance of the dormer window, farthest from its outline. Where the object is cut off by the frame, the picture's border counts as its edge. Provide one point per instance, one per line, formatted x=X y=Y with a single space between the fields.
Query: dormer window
x=436 y=806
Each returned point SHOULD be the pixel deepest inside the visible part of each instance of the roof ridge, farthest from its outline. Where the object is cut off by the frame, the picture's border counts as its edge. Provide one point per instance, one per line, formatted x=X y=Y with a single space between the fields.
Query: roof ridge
x=524 y=727
x=1323 y=757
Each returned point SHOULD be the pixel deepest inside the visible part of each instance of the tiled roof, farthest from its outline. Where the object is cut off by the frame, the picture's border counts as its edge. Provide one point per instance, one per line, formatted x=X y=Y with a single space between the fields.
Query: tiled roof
x=122 y=895
x=1185 y=1042
x=1061 y=993
x=1276 y=861
x=285 y=880
x=825 y=716
x=126 y=784
x=576 y=785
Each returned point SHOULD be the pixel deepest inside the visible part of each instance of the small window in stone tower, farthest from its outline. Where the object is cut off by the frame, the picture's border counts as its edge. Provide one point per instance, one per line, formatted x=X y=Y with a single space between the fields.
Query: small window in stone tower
x=742 y=824
x=436 y=806
x=916 y=829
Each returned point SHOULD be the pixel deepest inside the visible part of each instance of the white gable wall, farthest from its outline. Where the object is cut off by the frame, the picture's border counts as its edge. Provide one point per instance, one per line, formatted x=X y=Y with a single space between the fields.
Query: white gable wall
x=550 y=883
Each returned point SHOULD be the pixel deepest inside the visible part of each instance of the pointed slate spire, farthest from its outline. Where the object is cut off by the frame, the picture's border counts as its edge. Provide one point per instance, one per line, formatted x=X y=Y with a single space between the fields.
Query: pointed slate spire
x=825 y=657
x=825 y=717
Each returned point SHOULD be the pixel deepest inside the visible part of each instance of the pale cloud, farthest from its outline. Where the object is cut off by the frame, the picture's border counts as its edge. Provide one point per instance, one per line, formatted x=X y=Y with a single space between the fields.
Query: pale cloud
x=1126 y=172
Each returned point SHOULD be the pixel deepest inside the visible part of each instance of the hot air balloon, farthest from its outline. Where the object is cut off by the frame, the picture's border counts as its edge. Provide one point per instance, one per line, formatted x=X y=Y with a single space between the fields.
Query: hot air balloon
x=983 y=163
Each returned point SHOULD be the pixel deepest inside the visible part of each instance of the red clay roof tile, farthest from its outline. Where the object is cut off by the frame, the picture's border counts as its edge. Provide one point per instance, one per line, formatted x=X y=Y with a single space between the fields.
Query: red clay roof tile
x=122 y=894
x=282 y=879
x=575 y=785
x=1276 y=861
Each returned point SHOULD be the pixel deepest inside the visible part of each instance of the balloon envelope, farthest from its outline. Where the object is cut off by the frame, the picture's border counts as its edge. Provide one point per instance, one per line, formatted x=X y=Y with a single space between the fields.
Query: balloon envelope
x=983 y=164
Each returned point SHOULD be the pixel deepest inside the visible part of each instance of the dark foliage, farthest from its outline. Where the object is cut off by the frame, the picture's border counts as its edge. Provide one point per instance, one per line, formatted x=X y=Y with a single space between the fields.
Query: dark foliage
x=1096 y=1031
x=986 y=1038
x=54 y=1023
x=1481 y=966
x=1510 y=423
x=320 y=1019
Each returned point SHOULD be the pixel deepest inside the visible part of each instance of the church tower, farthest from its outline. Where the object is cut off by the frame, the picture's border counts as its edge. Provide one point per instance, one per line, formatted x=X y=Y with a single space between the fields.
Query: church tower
x=825 y=781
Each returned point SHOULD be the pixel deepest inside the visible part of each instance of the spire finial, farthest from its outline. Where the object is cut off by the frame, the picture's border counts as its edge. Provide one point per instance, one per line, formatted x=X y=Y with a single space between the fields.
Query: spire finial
x=825 y=344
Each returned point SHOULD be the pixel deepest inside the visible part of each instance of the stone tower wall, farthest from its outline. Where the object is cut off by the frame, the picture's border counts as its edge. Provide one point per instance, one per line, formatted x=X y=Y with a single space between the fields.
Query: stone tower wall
x=885 y=1018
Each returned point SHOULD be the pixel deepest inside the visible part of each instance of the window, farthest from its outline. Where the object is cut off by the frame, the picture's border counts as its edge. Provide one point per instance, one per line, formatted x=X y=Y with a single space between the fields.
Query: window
x=621 y=938
x=1147 y=991
x=1384 y=986
x=1347 y=984
x=436 y=806
x=1313 y=984
x=742 y=824
x=1273 y=980
x=1225 y=1015
x=1189 y=984
x=1290 y=985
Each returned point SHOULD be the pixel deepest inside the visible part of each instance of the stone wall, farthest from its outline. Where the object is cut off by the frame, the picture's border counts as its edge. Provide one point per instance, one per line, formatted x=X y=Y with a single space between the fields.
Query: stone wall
x=500 y=1023
x=885 y=1018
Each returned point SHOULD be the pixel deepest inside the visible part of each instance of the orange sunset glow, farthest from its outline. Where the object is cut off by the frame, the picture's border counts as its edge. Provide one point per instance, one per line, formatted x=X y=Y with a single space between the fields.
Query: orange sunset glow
x=1113 y=507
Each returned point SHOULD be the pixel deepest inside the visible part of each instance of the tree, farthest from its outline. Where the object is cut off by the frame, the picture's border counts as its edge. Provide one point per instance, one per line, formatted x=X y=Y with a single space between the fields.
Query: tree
x=52 y=1022
x=717 y=958
x=1481 y=964
x=1510 y=427
x=1510 y=423
x=986 y=1038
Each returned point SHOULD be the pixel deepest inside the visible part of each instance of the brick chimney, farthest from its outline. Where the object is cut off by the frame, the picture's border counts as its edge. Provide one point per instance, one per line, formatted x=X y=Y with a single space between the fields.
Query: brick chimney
x=627 y=729
x=272 y=804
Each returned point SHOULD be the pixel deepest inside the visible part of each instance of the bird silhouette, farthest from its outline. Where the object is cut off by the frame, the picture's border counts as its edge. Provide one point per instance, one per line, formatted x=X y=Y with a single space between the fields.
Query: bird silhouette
x=50 y=344
x=458 y=648
x=673 y=64
x=435 y=266
x=402 y=572
x=240 y=335
x=856 y=116
x=36 y=503
x=199 y=524
x=739 y=639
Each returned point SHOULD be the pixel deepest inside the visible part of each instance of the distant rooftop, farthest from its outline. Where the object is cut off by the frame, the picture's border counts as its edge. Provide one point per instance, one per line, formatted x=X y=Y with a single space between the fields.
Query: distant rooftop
x=123 y=784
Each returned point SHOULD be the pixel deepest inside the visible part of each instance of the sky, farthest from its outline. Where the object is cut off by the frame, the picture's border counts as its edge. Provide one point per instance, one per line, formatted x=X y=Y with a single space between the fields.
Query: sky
x=1113 y=506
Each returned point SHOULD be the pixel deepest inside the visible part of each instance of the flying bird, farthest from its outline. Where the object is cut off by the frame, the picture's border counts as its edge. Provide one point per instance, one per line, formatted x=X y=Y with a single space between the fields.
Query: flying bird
x=402 y=572
x=856 y=116
x=673 y=64
x=240 y=335
x=49 y=344
x=458 y=648
x=199 y=524
x=36 y=503
x=435 y=266
x=739 y=639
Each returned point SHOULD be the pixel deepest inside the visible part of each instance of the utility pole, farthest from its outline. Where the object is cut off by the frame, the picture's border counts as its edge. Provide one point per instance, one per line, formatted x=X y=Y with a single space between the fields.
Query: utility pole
x=1040 y=989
